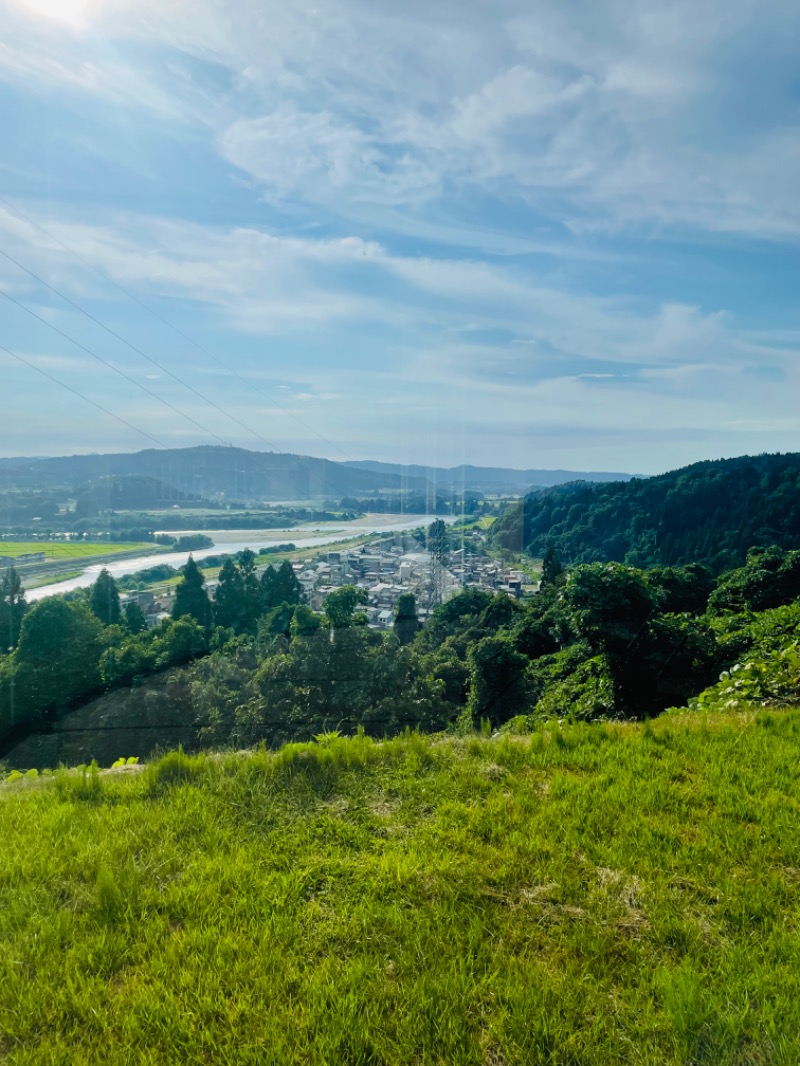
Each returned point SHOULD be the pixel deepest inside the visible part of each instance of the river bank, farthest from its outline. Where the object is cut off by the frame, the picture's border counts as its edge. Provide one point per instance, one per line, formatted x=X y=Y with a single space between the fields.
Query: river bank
x=228 y=542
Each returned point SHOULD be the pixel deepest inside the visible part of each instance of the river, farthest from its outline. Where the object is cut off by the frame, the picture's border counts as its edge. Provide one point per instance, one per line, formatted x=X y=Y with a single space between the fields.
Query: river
x=230 y=541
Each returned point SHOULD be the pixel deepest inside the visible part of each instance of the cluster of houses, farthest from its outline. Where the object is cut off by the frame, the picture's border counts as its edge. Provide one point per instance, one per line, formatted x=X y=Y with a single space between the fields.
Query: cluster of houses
x=385 y=569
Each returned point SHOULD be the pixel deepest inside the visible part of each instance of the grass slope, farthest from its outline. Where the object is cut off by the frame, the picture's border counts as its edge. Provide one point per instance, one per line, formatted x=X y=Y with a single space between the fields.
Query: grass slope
x=585 y=895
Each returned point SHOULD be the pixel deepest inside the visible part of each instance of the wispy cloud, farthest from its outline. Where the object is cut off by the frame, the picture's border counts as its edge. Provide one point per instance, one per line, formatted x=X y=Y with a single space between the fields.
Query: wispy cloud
x=423 y=217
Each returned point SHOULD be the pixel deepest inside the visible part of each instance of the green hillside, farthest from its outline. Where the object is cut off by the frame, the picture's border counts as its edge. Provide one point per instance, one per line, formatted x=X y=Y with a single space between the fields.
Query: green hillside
x=710 y=512
x=593 y=894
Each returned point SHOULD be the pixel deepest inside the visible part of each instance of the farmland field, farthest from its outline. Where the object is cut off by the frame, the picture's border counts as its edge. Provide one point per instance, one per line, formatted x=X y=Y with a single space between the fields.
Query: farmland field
x=57 y=551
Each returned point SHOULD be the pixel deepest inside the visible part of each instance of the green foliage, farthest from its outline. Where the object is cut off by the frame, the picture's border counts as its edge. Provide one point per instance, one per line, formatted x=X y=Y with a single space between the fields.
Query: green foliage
x=340 y=606
x=769 y=578
x=305 y=623
x=12 y=609
x=135 y=621
x=681 y=589
x=609 y=605
x=280 y=586
x=498 y=680
x=463 y=610
x=191 y=597
x=406 y=623
x=551 y=569
x=56 y=660
x=238 y=600
x=228 y=597
x=589 y=894
x=709 y=513
x=322 y=679
x=768 y=668
x=104 y=599
x=586 y=693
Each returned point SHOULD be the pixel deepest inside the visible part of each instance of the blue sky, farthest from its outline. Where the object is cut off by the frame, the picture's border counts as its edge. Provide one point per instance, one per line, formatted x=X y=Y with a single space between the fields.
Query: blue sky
x=519 y=234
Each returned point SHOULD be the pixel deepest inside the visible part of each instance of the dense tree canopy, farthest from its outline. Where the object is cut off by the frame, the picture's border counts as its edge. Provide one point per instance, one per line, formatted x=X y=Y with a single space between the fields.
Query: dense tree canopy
x=600 y=640
x=710 y=513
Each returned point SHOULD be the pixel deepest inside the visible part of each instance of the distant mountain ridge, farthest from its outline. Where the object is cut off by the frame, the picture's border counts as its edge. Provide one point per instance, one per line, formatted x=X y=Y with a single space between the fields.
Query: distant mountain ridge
x=212 y=471
x=491 y=479
x=207 y=471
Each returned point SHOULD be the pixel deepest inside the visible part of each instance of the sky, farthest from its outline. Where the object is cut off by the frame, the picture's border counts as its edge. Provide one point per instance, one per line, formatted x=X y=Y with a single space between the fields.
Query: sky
x=523 y=234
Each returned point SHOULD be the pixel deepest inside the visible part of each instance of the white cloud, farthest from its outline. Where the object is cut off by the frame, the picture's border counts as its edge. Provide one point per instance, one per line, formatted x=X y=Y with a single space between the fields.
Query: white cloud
x=618 y=113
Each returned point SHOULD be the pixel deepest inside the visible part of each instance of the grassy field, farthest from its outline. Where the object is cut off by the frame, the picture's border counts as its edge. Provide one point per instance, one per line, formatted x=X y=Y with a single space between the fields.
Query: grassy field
x=57 y=551
x=582 y=895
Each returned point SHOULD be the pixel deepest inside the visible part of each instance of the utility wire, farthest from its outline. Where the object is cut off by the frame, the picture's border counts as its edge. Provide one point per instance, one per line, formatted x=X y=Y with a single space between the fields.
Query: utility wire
x=138 y=351
x=111 y=366
x=170 y=325
x=75 y=392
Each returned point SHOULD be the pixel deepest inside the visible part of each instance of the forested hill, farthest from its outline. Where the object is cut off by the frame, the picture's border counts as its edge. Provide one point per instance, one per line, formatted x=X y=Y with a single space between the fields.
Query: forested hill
x=208 y=471
x=710 y=512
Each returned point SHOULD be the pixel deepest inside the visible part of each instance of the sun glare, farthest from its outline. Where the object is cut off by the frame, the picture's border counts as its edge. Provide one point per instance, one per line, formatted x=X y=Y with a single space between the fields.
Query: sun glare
x=63 y=10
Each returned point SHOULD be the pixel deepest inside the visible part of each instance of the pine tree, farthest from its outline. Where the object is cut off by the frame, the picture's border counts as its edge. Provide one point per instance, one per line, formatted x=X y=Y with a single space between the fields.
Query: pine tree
x=134 y=618
x=191 y=597
x=288 y=587
x=104 y=599
x=12 y=609
x=551 y=568
x=406 y=622
x=228 y=597
x=250 y=592
x=268 y=589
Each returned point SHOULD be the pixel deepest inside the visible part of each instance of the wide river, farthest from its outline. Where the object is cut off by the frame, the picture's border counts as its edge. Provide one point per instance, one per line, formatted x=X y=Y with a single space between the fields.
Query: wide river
x=230 y=541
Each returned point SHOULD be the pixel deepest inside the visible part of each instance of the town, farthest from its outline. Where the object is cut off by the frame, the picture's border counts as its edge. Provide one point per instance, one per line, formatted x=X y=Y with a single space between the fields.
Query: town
x=386 y=568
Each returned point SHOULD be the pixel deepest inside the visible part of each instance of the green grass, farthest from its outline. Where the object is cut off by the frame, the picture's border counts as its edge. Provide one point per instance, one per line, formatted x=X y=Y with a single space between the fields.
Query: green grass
x=54 y=579
x=57 y=550
x=584 y=895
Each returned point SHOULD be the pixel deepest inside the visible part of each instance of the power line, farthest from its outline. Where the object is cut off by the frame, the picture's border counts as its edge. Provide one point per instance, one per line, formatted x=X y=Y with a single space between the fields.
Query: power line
x=138 y=351
x=170 y=325
x=111 y=366
x=75 y=392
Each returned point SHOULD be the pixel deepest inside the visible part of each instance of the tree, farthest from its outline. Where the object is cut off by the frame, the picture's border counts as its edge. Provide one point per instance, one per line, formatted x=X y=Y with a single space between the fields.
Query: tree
x=12 y=609
x=305 y=622
x=134 y=618
x=279 y=586
x=228 y=597
x=681 y=589
x=251 y=602
x=770 y=578
x=57 y=655
x=340 y=606
x=179 y=642
x=104 y=599
x=610 y=606
x=191 y=597
x=551 y=568
x=459 y=613
x=268 y=587
x=498 y=680
x=406 y=622
x=288 y=587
